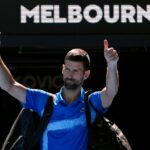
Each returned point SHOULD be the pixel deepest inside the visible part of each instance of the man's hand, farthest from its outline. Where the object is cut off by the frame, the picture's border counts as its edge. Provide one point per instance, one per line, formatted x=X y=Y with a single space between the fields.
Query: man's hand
x=110 y=54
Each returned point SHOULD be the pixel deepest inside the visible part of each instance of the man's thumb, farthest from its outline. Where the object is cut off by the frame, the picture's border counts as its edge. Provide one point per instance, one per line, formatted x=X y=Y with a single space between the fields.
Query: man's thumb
x=105 y=44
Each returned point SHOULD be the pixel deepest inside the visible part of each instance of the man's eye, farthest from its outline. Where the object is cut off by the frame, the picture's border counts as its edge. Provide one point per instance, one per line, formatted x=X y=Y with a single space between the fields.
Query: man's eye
x=75 y=71
x=66 y=69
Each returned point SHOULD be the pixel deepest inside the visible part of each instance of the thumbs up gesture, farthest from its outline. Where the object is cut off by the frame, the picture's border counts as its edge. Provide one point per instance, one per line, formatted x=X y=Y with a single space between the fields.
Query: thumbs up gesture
x=110 y=54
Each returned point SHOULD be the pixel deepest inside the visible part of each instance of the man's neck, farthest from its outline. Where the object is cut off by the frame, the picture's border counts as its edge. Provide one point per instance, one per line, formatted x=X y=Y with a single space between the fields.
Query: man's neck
x=71 y=95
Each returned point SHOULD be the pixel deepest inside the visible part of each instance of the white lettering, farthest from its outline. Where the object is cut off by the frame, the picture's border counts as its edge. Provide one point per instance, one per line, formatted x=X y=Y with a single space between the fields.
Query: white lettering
x=34 y=13
x=91 y=13
x=141 y=13
x=46 y=14
x=57 y=18
x=127 y=13
x=74 y=14
x=115 y=17
x=96 y=9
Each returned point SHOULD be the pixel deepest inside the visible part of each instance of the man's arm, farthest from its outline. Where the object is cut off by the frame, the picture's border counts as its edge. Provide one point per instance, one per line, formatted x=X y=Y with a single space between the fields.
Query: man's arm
x=112 y=78
x=8 y=83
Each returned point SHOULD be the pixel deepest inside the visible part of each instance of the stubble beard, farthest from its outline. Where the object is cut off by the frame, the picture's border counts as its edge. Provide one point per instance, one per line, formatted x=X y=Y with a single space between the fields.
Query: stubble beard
x=71 y=84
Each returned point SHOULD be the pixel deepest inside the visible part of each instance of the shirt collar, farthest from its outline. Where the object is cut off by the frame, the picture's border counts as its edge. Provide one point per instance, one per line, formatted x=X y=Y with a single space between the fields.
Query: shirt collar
x=59 y=97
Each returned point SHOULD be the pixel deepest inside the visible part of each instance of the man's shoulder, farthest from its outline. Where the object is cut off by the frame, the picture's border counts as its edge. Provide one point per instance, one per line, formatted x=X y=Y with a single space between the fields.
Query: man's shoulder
x=32 y=91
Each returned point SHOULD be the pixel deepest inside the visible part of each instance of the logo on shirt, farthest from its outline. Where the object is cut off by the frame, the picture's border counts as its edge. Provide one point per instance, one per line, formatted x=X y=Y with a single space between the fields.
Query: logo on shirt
x=82 y=109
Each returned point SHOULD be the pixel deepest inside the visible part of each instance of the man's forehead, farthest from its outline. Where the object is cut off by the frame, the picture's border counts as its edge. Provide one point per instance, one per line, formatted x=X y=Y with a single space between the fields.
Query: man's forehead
x=73 y=64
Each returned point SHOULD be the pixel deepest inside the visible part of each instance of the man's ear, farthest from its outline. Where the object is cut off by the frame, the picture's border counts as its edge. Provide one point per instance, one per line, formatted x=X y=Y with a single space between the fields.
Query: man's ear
x=87 y=74
x=63 y=66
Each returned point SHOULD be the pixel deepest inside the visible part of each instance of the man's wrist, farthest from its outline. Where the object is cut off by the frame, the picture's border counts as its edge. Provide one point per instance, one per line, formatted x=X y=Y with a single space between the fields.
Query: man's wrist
x=111 y=65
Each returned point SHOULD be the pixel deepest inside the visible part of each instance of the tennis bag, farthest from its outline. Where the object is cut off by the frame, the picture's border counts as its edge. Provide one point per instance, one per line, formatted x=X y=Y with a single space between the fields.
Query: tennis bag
x=103 y=133
x=27 y=129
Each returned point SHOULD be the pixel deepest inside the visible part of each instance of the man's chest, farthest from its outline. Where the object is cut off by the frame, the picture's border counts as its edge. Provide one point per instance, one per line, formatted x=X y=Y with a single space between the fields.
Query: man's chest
x=68 y=117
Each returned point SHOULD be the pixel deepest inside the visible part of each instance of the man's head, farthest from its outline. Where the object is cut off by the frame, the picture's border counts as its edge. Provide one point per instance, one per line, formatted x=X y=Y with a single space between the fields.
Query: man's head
x=79 y=55
x=75 y=68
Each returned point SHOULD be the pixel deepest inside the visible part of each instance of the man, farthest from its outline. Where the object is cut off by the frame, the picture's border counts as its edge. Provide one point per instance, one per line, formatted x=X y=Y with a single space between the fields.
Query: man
x=67 y=129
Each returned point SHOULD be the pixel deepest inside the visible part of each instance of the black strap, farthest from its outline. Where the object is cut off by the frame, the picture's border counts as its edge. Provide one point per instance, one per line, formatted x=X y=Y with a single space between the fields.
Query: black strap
x=87 y=110
x=43 y=122
x=95 y=109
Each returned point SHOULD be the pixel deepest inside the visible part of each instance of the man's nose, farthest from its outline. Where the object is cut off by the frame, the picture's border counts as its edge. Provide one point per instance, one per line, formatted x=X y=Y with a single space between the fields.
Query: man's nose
x=70 y=75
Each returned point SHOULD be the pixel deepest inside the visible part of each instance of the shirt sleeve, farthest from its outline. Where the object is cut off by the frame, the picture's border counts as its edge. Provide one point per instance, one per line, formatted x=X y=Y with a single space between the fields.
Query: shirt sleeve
x=35 y=99
x=95 y=98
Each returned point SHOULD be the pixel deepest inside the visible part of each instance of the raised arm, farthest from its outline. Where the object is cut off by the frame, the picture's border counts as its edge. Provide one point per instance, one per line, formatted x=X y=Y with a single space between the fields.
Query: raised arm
x=112 y=78
x=8 y=83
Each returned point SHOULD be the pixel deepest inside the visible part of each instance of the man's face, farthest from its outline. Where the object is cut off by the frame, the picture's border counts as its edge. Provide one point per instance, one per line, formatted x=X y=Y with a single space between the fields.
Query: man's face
x=73 y=74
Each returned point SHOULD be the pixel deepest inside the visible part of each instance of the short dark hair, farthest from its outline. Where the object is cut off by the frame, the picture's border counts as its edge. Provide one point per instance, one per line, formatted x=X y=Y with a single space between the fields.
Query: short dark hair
x=79 y=55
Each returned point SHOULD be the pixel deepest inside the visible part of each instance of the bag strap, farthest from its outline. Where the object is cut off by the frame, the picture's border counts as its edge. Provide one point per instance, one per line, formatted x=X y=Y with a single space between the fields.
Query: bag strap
x=87 y=109
x=43 y=122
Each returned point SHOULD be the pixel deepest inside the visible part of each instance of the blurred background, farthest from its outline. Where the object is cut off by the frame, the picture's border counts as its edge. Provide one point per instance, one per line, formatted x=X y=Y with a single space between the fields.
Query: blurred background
x=35 y=37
